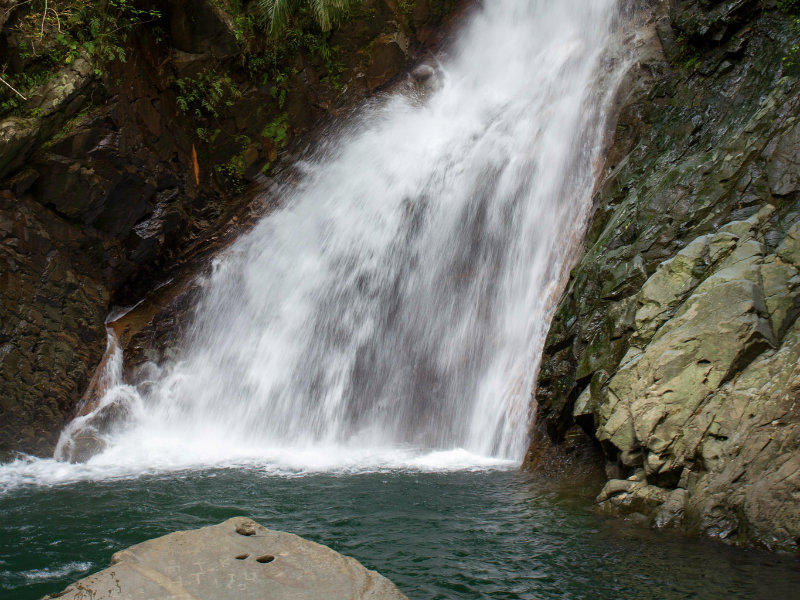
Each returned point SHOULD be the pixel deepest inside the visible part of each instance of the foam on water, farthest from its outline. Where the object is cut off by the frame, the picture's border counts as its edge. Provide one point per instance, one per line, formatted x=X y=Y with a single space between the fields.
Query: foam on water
x=56 y=573
x=119 y=463
x=391 y=315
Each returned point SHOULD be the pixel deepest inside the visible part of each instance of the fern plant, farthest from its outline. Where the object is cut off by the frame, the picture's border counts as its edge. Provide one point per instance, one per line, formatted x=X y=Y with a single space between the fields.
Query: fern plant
x=327 y=13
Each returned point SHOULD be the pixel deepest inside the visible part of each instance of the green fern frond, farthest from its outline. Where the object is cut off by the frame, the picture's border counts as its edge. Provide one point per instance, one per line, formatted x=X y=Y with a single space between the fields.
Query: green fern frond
x=327 y=13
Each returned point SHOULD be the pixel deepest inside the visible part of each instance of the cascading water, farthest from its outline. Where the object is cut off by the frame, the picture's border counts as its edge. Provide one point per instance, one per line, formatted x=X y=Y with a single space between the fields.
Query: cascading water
x=398 y=302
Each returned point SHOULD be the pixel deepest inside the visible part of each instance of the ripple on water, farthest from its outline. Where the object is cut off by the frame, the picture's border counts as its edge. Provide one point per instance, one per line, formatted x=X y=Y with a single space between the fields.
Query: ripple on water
x=58 y=572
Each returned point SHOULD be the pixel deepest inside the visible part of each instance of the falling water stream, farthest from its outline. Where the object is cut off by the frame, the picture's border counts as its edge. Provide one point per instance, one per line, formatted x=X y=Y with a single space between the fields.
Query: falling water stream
x=360 y=364
x=397 y=303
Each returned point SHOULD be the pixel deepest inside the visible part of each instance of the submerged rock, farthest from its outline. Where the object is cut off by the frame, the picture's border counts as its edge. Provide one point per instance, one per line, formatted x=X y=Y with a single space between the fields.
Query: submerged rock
x=238 y=559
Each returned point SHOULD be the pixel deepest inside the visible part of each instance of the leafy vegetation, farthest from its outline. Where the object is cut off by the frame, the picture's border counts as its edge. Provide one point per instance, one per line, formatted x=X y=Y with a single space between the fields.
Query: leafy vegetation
x=206 y=94
x=277 y=14
x=273 y=62
x=268 y=60
x=689 y=55
x=792 y=8
x=54 y=33
x=232 y=173
x=276 y=39
x=277 y=130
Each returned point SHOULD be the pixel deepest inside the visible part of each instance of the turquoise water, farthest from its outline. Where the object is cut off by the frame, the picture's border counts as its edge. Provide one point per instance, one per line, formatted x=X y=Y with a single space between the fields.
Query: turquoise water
x=496 y=534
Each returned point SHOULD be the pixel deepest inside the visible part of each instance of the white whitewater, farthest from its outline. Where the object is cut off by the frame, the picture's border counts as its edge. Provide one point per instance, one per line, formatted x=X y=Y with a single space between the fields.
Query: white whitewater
x=391 y=314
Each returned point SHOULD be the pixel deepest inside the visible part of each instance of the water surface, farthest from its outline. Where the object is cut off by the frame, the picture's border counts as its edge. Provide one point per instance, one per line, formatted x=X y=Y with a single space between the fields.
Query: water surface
x=452 y=535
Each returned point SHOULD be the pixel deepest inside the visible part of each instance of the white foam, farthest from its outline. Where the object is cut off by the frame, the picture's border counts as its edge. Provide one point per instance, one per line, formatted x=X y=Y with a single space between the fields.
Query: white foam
x=118 y=463
x=56 y=572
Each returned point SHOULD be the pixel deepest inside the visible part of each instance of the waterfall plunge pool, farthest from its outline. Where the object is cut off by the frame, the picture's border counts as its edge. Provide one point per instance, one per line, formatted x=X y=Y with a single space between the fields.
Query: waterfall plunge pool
x=438 y=535
x=400 y=297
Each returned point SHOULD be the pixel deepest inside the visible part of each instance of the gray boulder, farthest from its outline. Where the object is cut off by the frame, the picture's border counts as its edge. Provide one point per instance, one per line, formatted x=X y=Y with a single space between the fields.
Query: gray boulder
x=238 y=559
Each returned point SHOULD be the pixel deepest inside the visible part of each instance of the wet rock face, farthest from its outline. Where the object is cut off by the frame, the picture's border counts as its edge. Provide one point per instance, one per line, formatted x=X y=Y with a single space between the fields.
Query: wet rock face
x=52 y=308
x=712 y=21
x=238 y=559
x=675 y=347
x=109 y=188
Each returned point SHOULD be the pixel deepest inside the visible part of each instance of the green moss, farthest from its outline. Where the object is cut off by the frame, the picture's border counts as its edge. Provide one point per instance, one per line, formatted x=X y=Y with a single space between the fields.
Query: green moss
x=69 y=126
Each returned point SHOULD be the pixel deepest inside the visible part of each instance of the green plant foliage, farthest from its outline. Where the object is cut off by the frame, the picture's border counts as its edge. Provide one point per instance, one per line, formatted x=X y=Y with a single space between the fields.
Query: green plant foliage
x=689 y=56
x=792 y=8
x=232 y=173
x=206 y=94
x=207 y=135
x=277 y=130
x=302 y=35
x=790 y=60
x=243 y=21
x=55 y=33
x=278 y=13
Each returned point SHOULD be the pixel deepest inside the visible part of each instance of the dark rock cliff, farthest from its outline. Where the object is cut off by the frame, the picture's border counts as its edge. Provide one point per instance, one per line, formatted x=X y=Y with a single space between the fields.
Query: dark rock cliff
x=675 y=350
x=131 y=156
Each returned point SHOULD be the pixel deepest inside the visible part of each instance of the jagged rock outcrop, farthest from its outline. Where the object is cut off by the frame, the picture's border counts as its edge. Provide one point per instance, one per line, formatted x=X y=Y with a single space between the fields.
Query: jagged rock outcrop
x=117 y=174
x=675 y=346
x=238 y=559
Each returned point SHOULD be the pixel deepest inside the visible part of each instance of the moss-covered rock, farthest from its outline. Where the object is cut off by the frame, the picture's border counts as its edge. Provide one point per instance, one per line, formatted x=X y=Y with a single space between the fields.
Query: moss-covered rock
x=672 y=345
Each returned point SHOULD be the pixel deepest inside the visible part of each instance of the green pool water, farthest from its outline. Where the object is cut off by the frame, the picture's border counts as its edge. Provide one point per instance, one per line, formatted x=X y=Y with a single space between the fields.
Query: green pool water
x=491 y=534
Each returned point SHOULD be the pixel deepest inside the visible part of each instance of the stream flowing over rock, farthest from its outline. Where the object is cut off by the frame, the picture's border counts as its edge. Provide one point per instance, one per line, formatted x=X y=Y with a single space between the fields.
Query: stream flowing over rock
x=676 y=347
x=391 y=309
x=235 y=560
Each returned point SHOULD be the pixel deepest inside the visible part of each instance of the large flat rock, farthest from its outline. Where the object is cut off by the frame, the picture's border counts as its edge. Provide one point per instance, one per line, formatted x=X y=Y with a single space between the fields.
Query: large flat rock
x=238 y=559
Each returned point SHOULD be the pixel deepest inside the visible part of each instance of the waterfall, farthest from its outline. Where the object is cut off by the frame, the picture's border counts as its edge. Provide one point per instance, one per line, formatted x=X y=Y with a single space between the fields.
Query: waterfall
x=398 y=301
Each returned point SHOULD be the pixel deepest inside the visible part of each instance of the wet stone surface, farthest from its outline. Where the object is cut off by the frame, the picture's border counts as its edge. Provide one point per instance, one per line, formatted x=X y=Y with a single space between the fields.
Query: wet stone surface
x=238 y=559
